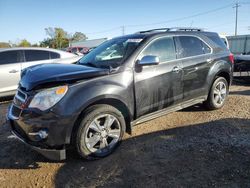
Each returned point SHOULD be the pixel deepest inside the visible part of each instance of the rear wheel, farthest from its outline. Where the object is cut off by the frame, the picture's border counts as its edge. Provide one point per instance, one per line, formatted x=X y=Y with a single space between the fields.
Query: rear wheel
x=100 y=131
x=218 y=94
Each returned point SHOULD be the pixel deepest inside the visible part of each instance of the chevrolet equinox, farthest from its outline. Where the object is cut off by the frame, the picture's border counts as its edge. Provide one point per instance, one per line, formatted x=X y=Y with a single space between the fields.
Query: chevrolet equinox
x=125 y=81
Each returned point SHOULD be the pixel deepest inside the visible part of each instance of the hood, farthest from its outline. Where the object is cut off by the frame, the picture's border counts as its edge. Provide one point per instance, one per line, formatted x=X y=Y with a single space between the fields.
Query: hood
x=51 y=73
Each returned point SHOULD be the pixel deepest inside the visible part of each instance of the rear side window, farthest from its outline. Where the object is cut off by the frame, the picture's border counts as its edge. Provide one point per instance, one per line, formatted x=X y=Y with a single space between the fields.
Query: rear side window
x=217 y=40
x=54 y=55
x=192 y=46
x=36 y=55
x=9 y=57
x=163 y=48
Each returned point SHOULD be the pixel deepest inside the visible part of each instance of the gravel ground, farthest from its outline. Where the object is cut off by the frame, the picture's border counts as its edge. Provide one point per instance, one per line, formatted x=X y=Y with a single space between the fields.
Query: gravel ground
x=189 y=148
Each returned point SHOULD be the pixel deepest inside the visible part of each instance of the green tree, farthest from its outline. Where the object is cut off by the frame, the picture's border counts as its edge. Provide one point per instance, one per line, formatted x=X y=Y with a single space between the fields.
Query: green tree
x=59 y=37
x=78 y=36
x=24 y=43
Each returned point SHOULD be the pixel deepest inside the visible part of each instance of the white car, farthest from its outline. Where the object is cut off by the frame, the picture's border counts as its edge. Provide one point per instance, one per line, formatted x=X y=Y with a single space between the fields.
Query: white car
x=14 y=60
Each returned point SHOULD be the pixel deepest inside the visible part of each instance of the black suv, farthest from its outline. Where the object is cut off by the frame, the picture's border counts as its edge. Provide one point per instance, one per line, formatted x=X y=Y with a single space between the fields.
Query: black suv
x=123 y=82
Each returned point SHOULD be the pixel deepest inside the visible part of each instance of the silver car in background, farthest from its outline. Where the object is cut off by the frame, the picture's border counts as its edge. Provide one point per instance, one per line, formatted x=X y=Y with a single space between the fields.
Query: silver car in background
x=14 y=60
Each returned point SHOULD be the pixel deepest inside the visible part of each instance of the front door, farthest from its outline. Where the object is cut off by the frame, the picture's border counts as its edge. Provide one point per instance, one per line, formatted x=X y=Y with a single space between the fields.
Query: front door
x=158 y=86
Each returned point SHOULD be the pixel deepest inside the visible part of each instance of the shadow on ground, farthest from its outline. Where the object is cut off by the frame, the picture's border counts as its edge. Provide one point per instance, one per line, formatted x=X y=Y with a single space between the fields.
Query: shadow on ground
x=209 y=154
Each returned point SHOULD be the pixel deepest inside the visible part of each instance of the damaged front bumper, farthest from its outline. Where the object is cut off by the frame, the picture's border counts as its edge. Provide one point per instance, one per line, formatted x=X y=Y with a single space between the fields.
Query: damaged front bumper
x=48 y=136
x=52 y=154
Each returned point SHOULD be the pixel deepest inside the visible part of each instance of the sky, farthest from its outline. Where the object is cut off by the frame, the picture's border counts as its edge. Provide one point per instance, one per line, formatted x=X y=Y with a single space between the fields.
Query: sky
x=27 y=19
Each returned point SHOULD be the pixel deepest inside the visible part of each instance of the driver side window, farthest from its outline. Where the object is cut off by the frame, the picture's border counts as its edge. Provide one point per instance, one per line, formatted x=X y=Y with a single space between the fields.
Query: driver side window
x=163 y=48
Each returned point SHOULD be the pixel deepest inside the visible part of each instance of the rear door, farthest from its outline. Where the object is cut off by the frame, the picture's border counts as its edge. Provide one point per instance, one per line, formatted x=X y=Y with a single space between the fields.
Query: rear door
x=158 y=86
x=195 y=55
x=10 y=67
x=35 y=57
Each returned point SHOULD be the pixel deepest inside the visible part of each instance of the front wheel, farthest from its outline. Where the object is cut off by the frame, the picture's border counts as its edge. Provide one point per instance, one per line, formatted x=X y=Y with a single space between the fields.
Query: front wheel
x=100 y=131
x=218 y=94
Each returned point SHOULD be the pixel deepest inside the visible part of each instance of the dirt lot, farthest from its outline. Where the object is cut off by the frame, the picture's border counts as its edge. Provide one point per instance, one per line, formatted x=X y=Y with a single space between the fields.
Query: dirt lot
x=189 y=148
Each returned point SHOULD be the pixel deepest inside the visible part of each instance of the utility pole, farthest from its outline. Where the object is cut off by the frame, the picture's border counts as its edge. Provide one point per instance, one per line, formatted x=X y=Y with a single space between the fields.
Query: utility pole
x=123 y=30
x=237 y=5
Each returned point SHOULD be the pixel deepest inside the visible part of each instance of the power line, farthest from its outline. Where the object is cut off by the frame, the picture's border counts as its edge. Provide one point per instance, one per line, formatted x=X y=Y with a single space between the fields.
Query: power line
x=122 y=28
x=182 y=18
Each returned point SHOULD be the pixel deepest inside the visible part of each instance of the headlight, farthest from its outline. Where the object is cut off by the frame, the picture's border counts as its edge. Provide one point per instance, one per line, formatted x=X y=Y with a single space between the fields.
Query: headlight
x=45 y=99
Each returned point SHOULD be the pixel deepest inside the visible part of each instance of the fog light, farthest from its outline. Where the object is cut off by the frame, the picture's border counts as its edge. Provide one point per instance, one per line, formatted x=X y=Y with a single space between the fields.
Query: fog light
x=40 y=135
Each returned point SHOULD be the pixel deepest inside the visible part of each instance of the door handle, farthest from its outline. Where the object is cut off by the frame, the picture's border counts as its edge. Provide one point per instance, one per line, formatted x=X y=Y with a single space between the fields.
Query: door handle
x=13 y=71
x=176 y=69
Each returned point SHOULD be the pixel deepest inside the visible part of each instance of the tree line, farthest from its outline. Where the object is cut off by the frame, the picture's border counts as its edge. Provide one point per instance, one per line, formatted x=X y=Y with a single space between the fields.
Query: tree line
x=56 y=38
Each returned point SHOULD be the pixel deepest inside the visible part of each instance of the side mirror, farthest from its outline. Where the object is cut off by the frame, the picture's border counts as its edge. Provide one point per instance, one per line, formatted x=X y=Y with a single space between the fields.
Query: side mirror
x=149 y=60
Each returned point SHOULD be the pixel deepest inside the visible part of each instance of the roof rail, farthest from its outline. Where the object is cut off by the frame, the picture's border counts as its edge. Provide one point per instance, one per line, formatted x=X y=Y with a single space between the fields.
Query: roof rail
x=172 y=29
x=186 y=29
x=152 y=30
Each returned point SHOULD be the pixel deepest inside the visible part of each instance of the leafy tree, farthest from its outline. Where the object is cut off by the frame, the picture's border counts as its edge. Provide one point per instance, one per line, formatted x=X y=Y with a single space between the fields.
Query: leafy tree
x=78 y=36
x=4 y=45
x=48 y=42
x=24 y=43
x=58 y=36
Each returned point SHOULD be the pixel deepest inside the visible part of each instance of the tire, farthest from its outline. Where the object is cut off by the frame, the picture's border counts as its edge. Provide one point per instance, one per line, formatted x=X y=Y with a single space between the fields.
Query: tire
x=217 y=94
x=99 y=132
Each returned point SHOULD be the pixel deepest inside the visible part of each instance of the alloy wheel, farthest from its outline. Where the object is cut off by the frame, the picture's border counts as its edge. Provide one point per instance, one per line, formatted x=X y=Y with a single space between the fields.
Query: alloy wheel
x=103 y=134
x=220 y=93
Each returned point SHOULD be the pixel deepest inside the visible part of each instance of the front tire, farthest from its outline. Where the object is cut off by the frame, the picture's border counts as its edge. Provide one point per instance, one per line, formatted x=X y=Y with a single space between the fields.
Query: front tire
x=100 y=131
x=218 y=94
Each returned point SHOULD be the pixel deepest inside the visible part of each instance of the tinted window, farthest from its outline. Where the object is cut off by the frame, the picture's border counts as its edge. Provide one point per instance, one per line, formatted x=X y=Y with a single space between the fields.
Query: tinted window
x=206 y=48
x=190 y=46
x=54 y=55
x=163 y=48
x=8 y=57
x=36 y=55
x=217 y=40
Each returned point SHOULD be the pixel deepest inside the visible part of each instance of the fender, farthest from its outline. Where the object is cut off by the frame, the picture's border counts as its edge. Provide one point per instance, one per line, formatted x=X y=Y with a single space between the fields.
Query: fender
x=224 y=66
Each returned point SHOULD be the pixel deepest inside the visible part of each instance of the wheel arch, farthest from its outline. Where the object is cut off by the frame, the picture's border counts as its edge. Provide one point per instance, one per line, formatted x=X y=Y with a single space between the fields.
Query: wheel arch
x=117 y=103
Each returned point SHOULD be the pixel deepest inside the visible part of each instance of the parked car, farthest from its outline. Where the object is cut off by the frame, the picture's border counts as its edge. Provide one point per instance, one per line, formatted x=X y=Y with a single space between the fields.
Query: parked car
x=77 y=50
x=242 y=63
x=90 y=105
x=14 y=60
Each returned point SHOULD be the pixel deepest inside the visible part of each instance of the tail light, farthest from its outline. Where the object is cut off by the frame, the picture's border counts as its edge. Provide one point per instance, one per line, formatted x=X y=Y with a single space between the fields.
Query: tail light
x=231 y=58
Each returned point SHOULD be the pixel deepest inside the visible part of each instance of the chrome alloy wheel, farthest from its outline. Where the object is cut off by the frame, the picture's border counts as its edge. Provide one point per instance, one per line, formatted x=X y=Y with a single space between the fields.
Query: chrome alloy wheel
x=220 y=93
x=102 y=134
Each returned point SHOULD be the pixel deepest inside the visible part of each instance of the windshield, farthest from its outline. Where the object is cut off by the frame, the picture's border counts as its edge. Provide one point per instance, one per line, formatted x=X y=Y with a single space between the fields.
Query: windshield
x=112 y=53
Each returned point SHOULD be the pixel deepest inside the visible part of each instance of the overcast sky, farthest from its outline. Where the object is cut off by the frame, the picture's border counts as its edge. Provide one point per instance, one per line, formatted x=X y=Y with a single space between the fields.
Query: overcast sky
x=26 y=19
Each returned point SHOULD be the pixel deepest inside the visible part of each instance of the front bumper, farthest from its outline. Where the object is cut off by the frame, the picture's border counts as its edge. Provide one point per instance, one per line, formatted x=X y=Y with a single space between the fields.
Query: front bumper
x=58 y=127
x=51 y=154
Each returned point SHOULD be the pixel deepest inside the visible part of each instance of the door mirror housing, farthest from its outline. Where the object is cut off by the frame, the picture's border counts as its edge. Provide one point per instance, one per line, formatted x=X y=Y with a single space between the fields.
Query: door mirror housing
x=149 y=60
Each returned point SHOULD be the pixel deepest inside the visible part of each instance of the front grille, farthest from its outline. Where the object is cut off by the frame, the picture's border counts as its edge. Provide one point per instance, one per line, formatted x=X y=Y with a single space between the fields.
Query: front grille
x=15 y=111
x=19 y=102
x=20 y=98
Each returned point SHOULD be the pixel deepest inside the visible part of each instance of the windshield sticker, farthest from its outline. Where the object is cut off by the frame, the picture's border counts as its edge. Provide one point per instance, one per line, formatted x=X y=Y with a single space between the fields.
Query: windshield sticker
x=134 y=40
